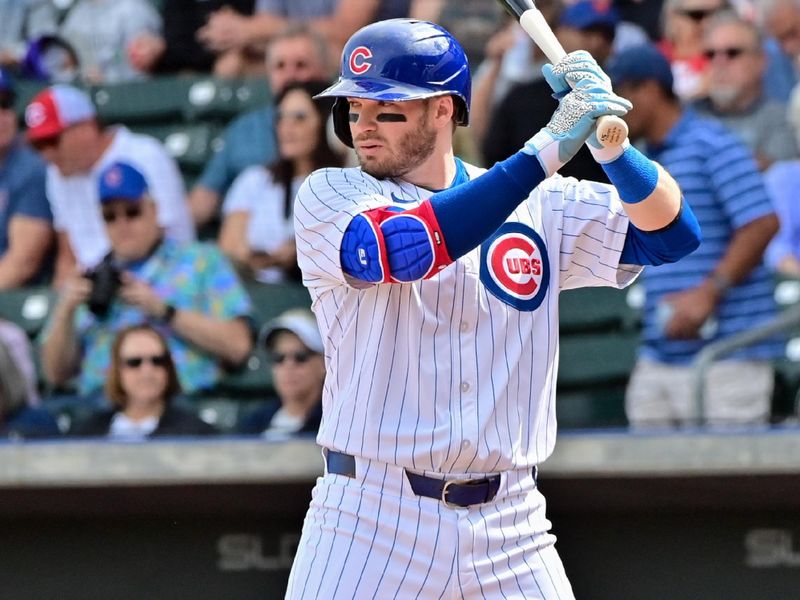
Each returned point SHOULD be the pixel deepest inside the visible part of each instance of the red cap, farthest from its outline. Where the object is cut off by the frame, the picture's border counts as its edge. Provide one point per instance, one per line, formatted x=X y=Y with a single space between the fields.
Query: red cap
x=54 y=109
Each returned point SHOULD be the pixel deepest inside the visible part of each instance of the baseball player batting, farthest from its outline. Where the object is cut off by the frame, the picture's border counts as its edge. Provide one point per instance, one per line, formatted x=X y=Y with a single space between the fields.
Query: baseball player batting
x=435 y=285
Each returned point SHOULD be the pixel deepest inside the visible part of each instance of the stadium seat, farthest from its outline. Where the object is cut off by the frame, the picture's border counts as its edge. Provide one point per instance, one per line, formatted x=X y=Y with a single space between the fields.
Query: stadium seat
x=157 y=100
x=593 y=372
x=598 y=309
x=271 y=299
x=27 y=307
x=190 y=144
x=222 y=99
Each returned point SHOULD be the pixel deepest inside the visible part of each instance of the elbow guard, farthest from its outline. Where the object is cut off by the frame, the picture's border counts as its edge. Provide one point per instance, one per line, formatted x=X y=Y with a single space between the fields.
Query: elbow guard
x=387 y=245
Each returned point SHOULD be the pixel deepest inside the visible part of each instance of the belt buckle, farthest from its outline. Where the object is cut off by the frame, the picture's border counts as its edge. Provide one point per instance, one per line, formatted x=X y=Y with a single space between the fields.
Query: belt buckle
x=446 y=488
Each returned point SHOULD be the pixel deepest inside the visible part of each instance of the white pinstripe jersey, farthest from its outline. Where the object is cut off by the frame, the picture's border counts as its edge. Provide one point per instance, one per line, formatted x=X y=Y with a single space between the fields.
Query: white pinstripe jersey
x=447 y=374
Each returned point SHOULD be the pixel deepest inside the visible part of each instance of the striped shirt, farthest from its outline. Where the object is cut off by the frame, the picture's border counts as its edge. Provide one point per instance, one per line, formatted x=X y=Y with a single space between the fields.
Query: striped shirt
x=455 y=373
x=721 y=182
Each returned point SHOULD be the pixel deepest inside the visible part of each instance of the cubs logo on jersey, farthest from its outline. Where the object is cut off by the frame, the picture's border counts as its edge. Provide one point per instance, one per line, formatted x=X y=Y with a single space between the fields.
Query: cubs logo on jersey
x=359 y=60
x=514 y=266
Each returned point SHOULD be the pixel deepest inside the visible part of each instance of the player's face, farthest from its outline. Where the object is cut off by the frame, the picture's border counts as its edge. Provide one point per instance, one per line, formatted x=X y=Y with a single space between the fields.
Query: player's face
x=143 y=381
x=297 y=372
x=298 y=126
x=391 y=138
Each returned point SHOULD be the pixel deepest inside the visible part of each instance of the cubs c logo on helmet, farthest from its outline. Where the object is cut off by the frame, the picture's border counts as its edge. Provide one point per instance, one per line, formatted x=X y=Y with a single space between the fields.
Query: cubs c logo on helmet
x=514 y=266
x=358 y=60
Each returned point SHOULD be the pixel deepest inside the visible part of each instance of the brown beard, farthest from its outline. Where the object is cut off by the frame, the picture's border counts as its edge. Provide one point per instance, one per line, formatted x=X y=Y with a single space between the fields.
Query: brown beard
x=414 y=148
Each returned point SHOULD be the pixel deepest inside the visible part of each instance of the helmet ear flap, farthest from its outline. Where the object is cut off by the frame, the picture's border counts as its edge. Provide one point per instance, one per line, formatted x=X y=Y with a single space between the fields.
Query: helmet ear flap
x=341 y=121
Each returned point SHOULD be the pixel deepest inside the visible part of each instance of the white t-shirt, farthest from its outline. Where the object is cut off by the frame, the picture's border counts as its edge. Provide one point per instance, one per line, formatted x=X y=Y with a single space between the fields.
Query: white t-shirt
x=123 y=427
x=256 y=193
x=75 y=201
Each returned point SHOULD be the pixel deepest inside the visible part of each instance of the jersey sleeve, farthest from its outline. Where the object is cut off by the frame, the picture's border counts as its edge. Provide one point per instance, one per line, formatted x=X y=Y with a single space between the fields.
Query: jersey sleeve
x=592 y=225
x=324 y=206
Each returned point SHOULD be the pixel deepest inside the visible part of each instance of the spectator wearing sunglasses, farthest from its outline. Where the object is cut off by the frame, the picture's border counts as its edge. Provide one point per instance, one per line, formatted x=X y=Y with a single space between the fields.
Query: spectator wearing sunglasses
x=294 y=348
x=26 y=223
x=188 y=291
x=258 y=224
x=296 y=54
x=722 y=288
x=683 y=23
x=62 y=125
x=142 y=386
x=736 y=59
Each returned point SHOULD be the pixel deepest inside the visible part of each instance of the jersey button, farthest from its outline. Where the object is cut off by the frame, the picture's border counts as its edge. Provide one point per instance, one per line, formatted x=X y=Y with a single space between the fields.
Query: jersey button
x=464 y=326
x=464 y=386
x=465 y=444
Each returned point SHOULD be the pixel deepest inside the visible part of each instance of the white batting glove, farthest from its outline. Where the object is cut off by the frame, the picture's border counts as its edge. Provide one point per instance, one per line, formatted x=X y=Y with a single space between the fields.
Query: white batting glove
x=572 y=123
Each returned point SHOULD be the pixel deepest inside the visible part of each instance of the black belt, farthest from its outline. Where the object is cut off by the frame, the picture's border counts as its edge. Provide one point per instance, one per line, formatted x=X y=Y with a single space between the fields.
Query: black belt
x=456 y=492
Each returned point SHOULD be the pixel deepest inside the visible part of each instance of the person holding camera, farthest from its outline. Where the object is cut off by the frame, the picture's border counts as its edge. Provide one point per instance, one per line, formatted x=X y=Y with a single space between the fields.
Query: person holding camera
x=188 y=291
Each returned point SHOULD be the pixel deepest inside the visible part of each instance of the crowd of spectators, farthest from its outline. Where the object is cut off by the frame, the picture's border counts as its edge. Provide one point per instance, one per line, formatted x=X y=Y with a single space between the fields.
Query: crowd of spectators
x=147 y=317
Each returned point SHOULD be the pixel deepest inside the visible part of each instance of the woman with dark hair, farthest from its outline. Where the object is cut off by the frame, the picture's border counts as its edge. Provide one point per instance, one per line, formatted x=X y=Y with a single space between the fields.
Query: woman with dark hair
x=141 y=386
x=257 y=229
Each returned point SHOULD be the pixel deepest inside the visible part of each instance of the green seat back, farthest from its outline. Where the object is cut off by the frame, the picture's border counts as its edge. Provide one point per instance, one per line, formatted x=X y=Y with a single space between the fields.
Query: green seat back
x=190 y=144
x=596 y=309
x=27 y=307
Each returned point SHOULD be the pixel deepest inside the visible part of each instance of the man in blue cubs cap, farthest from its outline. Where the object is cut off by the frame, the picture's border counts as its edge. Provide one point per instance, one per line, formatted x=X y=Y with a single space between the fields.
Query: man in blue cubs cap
x=26 y=223
x=147 y=277
x=435 y=287
x=722 y=289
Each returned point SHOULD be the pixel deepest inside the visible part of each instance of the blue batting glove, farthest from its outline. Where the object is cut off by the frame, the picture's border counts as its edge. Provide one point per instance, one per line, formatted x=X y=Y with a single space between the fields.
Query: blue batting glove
x=572 y=123
x=556 y=81
x=574 y=67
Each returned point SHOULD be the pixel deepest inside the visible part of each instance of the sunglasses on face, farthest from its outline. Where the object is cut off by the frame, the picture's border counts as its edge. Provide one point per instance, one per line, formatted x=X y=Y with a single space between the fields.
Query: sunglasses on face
x=134 y=362
x=6 y=102
x=697 y=14
x=301 y=357
x=729 y=53
x=129 y=213
x=298 y=116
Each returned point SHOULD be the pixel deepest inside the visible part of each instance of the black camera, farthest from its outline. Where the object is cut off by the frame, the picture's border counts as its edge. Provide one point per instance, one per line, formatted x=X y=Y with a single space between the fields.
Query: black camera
x=106 y=280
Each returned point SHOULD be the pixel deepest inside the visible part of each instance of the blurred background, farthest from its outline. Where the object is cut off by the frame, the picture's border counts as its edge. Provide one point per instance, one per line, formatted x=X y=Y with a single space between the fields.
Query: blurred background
x=149 y=154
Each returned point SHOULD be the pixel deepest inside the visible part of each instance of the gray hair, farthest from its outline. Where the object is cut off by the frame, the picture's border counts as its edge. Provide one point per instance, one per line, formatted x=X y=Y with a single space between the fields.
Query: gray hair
x=300 y=30
x=731 y=17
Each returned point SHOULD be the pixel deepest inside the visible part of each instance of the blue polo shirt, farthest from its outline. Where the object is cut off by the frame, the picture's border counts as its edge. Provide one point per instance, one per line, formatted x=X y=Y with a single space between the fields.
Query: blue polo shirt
x=721 y=182
x=249 y=140
x=22 y=188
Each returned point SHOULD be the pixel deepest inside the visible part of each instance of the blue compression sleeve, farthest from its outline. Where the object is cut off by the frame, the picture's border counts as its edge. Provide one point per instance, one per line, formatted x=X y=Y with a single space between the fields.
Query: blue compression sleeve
x=471 y=212
x=633 y=174
x=668 y=244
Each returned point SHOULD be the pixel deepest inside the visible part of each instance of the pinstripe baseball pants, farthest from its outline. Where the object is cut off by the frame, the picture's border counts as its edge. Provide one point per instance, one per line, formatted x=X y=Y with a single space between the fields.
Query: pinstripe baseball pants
x=371 y=537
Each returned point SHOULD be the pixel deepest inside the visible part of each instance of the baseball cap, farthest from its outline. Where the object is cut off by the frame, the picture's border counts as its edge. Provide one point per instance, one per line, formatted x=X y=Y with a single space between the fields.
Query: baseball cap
x=121 y=181
x=590 y=13
x=298 y=321
x=54 y=109
x=642 y=62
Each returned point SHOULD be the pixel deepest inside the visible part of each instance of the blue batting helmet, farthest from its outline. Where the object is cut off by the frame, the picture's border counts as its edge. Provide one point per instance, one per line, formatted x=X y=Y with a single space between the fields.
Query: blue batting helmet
x=400 y=59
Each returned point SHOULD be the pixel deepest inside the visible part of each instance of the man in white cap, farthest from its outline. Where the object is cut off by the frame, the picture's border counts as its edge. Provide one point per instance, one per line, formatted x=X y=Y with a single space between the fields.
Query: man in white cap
x=62 y=125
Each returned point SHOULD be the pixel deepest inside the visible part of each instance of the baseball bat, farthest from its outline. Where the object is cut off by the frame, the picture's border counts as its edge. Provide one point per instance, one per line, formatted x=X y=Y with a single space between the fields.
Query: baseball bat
x=611 y=130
